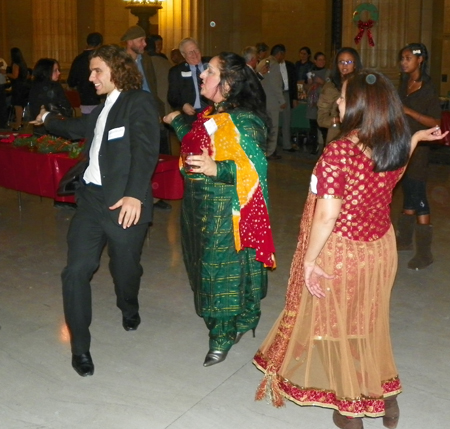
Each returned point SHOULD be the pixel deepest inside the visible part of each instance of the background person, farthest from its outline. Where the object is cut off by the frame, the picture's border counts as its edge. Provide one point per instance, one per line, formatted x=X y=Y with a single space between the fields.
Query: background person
x=18 y=75
x=304 y=64
x=184 y=81
x=79 y=75
x=176 y=57
x=3 y=109
x=134 y=39
x=154 y=46
x=47 y=91
x=275 y=102
x=423 y=110
x=226 y=235
x=317 y=78
x=345 y=63
x=290 y=94
x=331 y=345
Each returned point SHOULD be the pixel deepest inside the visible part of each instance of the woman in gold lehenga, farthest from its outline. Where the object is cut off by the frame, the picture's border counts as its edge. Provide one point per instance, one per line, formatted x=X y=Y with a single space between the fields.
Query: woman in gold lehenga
x=330 y=346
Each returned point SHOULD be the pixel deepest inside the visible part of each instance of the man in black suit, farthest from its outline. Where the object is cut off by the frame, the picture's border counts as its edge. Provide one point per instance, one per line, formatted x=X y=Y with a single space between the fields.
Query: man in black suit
x=184 y=80
x=115 y=199
x=287 y=70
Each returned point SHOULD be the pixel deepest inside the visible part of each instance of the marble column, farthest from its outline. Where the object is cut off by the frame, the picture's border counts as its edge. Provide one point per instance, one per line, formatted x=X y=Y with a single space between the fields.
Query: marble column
x=179 y=19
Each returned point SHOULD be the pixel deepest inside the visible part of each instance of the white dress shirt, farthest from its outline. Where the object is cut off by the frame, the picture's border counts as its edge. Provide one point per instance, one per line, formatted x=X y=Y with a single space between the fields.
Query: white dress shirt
x=284 y=75
x=92 y=173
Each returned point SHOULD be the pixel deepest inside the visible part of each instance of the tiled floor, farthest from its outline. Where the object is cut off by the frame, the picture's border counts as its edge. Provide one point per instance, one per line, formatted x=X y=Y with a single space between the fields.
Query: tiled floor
x=153 y=378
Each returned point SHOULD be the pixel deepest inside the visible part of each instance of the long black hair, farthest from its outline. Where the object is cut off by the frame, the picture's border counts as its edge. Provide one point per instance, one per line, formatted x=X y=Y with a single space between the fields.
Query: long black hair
x=43 y=69
x=336 y=77
x=17 y=58
x=243 y=89
x=373 y=108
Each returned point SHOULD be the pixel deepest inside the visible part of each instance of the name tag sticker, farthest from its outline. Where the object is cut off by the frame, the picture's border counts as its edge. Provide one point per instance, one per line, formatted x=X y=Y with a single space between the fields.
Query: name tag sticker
x=211 y=126
x=116 y=133
x=186 y=74
x=313 y=184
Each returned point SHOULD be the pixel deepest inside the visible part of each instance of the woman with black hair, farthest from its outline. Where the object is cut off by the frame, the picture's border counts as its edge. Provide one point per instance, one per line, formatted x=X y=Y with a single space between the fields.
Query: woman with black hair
x=47 y=91
x=226 y=237
x=422 y=107
x=18 y=74
x=304 y=64
x=331 y=346
x=346 y=62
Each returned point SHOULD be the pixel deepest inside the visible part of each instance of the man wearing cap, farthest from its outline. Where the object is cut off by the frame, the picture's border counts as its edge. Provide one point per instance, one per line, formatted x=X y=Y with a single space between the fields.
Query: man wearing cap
x=135 y=44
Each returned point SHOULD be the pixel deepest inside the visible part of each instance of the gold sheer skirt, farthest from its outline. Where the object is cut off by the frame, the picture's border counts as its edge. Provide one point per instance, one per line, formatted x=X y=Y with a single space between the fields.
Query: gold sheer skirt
x=336 y=352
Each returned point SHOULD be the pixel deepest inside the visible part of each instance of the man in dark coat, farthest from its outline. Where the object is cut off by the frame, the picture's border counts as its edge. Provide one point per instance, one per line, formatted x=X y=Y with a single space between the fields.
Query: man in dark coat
x=79 y=75
x=115 y=199
x=184 y=80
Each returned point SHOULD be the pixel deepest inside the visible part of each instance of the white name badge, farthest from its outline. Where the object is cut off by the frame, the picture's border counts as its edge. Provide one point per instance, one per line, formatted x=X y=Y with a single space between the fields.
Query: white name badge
x=186 y=74
x=116 y=133
x=211 y=126
x=313 y=184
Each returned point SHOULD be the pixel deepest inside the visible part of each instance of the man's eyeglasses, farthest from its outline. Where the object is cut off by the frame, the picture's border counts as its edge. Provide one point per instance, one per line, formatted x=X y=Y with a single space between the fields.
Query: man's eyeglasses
x=192 y=53
x=345 y=63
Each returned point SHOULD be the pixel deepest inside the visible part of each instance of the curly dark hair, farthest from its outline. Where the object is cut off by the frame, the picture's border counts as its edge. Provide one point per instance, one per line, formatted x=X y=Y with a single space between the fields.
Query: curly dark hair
x=373 y=108
x=336 y=74
x=124 y=72
x=244 y=90
x=43 y=69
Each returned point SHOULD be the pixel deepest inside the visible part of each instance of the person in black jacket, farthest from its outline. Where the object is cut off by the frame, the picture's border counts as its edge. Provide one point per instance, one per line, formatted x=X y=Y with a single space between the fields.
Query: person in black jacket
x=114 y=202
x=47 y=91
x=17 y=73
x=79 y=75
x=184 y=81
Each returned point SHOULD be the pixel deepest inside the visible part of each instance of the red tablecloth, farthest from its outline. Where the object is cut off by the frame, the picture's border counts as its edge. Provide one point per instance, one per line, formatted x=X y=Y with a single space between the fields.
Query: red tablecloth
x=39 y=174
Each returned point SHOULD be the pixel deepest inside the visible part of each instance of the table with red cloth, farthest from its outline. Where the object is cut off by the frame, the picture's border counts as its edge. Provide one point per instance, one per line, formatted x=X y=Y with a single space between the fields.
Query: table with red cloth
x=40 y=174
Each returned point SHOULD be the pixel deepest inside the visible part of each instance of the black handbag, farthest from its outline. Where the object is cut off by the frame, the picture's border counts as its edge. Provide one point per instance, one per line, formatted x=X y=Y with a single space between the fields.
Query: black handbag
x=71 y=181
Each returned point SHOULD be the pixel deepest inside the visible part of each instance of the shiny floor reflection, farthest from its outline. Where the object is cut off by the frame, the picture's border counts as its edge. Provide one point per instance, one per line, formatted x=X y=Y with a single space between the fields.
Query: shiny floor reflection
x=154 y=378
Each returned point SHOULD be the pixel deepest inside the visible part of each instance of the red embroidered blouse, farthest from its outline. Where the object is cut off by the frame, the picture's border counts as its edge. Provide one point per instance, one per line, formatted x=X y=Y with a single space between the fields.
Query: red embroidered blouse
x=343 y=171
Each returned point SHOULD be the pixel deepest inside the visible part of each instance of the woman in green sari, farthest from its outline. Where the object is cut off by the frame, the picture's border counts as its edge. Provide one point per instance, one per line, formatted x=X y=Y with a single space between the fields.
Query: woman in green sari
x=226 y=237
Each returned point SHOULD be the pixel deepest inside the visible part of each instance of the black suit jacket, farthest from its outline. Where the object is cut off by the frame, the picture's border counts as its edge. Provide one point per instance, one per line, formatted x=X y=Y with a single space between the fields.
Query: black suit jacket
x=181 y=87
x=129 y=150
x=292 y=80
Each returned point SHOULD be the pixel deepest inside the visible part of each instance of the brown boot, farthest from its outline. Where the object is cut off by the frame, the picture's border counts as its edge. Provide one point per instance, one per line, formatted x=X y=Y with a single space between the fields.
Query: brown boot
x=404 y=234
x=344 y=422
x=392 y=412
x=423 y=256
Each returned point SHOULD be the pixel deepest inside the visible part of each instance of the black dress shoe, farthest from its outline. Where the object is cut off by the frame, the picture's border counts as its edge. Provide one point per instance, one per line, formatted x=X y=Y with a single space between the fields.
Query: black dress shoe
x=289 y=150
x=131 y=323
x=83 y=364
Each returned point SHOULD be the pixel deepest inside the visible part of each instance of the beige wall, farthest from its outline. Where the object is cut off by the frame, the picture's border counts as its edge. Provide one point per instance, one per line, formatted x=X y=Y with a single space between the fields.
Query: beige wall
x=59 y=28
x=241 y=23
